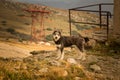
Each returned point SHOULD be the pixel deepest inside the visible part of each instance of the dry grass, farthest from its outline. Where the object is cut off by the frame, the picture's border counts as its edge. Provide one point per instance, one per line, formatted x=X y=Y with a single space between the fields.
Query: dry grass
x=9 y=70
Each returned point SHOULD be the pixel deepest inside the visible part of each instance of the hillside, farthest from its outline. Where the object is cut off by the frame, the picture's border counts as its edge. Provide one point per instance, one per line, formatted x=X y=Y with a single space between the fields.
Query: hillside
x=12 y=16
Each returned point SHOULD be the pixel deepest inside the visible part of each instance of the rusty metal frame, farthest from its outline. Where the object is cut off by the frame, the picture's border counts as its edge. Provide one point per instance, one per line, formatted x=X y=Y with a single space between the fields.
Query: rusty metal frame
x=36 y=11
x=107 y=14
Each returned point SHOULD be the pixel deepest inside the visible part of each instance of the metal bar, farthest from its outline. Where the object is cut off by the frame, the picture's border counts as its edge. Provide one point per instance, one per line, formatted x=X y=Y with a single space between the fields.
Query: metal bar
x=90 y=23
x=85 y=6
x=93 y=5
x=107 y=3
x=91 y=11
x=106 y=15
x=70 y=21
x=100 y=16
x=107 y=26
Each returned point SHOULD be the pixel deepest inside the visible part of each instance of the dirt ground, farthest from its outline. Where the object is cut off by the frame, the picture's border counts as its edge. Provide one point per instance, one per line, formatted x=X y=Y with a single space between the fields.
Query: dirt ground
x=15 y=49
x=110 y=65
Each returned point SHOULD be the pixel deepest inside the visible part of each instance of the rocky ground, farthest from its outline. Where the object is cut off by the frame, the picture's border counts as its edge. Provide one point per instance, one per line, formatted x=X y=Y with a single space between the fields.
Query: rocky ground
x=40 y=63
x=101 y=67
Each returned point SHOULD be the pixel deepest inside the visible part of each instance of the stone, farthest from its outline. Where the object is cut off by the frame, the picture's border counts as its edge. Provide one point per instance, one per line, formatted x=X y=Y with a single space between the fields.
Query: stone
x=43 y=70
x=77 y=78
x=118 y=62
x=17 y=59
x=95 y=67
x=41 y=43
x=17 y=67
x=92 y=58
x=65 y=73
x=60 y=72
x=23 y=66
x=72 y=61
x=47 y=44
x=54 y=63
x=31 y=59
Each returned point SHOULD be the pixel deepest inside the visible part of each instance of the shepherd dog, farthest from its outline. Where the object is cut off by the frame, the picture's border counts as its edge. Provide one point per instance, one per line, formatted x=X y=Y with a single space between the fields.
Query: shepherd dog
x=67 y=41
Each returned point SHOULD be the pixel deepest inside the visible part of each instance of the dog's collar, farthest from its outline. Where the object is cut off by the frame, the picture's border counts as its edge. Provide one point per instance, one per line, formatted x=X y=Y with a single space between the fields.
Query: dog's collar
x=58 y=42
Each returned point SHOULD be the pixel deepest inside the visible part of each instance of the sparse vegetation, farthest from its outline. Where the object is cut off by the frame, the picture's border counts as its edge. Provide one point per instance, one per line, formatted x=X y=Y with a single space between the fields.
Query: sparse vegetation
x=21 y=15
x=33 y=73
x=4 y=22
x=11 y=30
x=49 y=29
x=79 y=27
x=74 y=32
x=83 y=27
x=27 y=24
x=49 y=37
x=101 y=49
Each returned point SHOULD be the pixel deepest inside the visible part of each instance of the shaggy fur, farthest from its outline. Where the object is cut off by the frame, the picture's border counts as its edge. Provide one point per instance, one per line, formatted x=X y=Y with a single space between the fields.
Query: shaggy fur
x=68 y=41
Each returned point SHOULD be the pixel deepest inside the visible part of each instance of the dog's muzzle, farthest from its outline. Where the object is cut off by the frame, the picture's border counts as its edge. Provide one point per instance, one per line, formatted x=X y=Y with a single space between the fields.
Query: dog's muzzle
x=56 y=37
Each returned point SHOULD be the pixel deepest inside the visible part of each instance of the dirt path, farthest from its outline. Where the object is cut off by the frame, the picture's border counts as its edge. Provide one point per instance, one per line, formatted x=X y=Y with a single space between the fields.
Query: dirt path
x=21 y=50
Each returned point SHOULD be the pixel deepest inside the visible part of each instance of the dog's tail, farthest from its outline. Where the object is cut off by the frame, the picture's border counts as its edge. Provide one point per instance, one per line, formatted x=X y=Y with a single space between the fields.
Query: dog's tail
x=85 y=38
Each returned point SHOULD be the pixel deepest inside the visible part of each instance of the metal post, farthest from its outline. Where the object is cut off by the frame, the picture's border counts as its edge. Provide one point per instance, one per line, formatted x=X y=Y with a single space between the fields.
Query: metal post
x=100 y=15
x=107 y=25
x=70 y=21
x=35 y=12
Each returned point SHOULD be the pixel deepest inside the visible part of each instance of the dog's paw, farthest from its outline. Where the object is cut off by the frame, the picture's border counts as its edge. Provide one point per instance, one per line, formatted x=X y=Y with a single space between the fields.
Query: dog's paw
x=61 y=58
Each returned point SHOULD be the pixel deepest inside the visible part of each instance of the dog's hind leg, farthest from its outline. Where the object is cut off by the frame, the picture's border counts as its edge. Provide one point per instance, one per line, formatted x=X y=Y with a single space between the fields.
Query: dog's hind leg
x=81 y=52
x=82 y=55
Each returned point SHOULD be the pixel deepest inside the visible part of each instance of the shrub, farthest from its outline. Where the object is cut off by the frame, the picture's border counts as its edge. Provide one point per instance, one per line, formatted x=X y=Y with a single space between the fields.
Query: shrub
x=87 y=27
x=74 y=32
x=76 y=71
x=27 y=24
x=4 y=22
x=21 y=15
x=10 y=30
x=79 y=27
x=49 y=37
x=13 y=76
x=49 y=29
x=93 y=26
x=83 y=27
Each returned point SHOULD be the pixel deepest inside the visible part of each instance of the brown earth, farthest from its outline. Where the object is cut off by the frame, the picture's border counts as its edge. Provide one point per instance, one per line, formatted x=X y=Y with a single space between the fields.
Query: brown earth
x=10 y=49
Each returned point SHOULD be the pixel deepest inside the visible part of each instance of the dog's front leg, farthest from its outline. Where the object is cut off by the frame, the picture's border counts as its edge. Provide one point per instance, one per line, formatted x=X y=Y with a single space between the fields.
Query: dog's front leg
x=62 y=54
x=58 y=54
x=58 y=51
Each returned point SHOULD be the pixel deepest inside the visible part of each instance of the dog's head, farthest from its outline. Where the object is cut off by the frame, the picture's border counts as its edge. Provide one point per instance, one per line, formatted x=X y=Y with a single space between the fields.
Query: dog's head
x=56 y=35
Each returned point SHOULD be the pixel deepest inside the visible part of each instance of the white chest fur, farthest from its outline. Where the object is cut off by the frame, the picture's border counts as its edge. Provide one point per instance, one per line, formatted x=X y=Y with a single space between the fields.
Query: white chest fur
x=58 y=46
